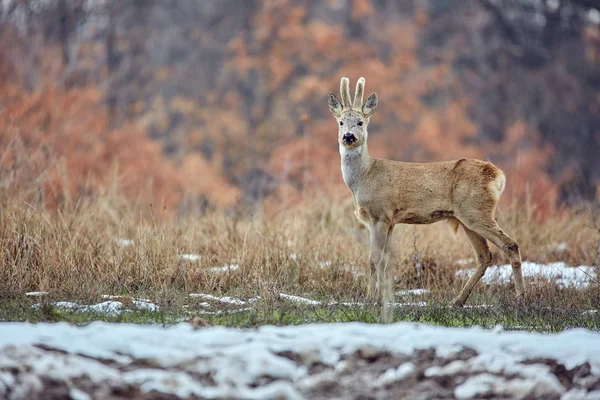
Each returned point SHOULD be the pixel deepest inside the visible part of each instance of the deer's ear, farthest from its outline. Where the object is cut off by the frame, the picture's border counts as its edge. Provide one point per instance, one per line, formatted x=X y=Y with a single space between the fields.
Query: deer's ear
x=335 y=106
x=370 y=105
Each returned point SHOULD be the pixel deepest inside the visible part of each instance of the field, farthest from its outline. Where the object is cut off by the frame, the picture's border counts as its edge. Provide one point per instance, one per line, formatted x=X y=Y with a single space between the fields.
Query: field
x=92 y=250
x=113 y=261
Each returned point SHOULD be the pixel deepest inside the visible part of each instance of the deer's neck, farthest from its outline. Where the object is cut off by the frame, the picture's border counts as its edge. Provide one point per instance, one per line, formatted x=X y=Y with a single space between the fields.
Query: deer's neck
x=355 y=164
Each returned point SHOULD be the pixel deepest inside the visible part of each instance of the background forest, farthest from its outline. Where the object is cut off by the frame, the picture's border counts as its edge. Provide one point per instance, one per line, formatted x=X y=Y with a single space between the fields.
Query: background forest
x=191 y=104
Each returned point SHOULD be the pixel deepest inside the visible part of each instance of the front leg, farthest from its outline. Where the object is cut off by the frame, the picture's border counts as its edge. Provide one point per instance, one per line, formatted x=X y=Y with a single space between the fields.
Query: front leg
x=380 y=234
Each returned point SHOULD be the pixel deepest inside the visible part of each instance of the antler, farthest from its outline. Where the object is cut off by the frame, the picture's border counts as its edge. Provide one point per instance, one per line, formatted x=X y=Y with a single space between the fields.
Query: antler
x=347 y=103
x=358 y=94
x=345 y=92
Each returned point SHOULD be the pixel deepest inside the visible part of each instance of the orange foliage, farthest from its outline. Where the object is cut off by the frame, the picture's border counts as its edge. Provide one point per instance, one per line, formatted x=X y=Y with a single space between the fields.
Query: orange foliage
x=73 y=152
x=525 y=166
x=266 y=111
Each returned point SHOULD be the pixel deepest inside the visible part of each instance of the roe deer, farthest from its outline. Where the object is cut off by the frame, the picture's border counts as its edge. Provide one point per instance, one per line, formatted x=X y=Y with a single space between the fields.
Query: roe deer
x=465 y=192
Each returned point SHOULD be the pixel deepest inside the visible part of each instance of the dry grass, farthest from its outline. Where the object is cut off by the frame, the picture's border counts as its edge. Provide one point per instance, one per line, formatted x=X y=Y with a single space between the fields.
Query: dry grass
x=318 y=250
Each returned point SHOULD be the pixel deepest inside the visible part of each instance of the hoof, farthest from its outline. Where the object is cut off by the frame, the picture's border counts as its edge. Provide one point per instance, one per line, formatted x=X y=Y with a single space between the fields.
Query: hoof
x=457 y=303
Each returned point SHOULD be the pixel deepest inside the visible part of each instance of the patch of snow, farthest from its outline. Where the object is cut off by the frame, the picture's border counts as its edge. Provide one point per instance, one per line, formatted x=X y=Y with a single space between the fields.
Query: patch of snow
x=412 y=292
x=293 y=256
x=225 y=268
x=239 y=362
x=77 y=394
x=348 y=304
x=111 y=296
x=465 y=261
x=477 y=306
x=486 y=385
x=190 y=257
x=325 y=264
x=311 y=302
x=181 y=384
x=395 y=374
x=581 y=394
x=106 y=307
x=558 y=272
x=561 y=247
x=36 y=294
x=225 y=299
x=327 y=377
x=527 y=379
x=119 y=297
x=121 y=242
x=6 y=381
x=110 y=308
x=221 y=312
x=145 y=305
x=298 y=299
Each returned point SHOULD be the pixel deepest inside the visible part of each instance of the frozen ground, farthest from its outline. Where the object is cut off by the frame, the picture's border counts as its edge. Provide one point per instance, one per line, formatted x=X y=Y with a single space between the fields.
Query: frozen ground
x=323 y=361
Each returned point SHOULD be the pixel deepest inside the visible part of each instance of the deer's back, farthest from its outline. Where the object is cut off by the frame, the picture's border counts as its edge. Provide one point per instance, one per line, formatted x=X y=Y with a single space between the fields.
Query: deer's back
x=423 y=193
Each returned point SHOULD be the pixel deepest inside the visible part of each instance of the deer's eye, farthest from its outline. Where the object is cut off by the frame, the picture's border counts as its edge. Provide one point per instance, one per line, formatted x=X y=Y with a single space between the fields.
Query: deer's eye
x=360 y=123
x=341 y=123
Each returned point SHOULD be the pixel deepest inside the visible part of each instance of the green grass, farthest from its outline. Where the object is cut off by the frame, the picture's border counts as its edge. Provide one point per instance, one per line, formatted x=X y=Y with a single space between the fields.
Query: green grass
x=538 y=316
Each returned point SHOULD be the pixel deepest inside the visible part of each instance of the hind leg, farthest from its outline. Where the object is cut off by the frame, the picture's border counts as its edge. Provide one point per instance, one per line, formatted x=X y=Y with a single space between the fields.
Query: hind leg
x=484 y=258
x=492 y=232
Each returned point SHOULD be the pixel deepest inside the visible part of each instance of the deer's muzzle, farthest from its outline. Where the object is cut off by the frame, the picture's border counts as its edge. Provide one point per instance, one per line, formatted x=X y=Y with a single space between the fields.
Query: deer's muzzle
x=348 y=138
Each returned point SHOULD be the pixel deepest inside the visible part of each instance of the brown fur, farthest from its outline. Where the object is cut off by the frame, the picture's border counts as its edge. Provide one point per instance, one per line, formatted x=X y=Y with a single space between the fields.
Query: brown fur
x=464 y=192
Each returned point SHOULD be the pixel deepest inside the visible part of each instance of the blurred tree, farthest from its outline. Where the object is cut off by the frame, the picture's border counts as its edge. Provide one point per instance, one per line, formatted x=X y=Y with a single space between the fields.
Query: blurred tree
x=237 y=89
x=533 y=62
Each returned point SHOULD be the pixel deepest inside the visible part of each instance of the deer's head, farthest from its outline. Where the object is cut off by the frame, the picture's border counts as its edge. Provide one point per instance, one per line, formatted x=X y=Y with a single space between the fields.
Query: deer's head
x=352 y=117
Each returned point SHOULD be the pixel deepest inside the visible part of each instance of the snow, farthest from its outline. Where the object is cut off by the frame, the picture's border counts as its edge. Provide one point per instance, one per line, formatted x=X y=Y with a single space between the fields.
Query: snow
x=225 y=268
x=36 y=294
x=190 y=257
x=311 y=302
x=573 y=347
x=412 y=292
x=579 y=277
x=484 y=385
x=298 y=299
x=122 y=242
x=109 y=308
x=225 y=299
x=580 y=394
x=177 y=383
x=221 y=312
x=531 y=378
x=145 y=305
x=395 y=374
x=77 y=394
x=106 y=307
x=221 y=362
x=561 y=247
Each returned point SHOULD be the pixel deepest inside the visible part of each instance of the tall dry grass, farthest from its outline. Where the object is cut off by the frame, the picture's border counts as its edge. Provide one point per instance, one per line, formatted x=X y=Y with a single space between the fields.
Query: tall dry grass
x=317 y=248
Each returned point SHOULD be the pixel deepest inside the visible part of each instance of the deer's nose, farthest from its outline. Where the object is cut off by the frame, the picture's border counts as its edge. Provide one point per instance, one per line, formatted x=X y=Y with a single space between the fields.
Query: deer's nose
x=349 y=138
